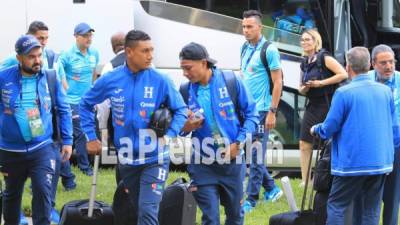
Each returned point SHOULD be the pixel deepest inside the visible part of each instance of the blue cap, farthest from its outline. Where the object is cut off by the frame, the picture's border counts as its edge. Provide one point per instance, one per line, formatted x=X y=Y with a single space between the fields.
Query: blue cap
x=82 y=29
x=26 y=43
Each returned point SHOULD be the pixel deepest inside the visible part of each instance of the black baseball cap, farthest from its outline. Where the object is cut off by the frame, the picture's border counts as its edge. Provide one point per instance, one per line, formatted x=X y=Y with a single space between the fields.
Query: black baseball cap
x=195 y=51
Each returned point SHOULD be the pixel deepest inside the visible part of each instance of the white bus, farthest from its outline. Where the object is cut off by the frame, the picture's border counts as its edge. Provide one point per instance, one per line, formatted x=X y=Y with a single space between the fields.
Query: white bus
x=217 y=25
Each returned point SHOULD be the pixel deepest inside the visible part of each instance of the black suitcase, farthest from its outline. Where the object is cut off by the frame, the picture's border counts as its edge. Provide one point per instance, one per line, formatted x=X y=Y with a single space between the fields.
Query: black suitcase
x=178 y=206
x=76 y=213
x=302 y=217
x=124 y=212
x=87 y=212
x=320 y=203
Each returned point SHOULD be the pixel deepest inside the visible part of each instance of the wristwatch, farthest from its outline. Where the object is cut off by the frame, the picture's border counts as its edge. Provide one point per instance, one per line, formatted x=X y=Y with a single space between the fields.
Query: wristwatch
x=273 y=109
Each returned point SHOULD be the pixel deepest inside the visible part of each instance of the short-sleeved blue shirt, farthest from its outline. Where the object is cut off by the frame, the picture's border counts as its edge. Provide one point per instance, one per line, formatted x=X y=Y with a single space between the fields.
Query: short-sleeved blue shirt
x=255 y=76
x=78 y=70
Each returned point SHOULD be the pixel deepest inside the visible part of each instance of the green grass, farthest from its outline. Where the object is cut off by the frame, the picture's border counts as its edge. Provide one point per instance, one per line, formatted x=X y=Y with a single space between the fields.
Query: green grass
x=106 y=187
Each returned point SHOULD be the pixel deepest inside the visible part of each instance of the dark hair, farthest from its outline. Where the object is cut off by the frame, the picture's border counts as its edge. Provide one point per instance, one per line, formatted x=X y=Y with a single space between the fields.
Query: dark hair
x=134 y=36
x=252 y=13
x=36 y=26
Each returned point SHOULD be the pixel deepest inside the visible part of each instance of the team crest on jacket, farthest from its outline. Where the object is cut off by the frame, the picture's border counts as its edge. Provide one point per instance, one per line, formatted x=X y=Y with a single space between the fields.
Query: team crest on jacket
x=148 y=92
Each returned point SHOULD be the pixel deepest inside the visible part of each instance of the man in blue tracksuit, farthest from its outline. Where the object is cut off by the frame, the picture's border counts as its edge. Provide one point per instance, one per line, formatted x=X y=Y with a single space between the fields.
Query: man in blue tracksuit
x=256 y=78
x=217 y=168
x=135 y=91
x=26 y=145
x=79 y=64
x=49 y=58
x=362 y=123
x=384 y=72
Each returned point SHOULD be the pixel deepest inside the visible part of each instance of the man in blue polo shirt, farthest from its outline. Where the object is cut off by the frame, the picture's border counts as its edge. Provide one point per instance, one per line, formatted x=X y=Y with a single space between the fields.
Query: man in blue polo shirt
x=26 y=145
x=256 y=78
x=383 y=61
x=79 y=64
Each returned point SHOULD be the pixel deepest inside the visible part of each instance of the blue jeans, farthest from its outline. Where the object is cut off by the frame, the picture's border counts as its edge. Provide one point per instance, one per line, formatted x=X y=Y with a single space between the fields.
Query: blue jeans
x=39 y=165
x=391 y=193
x=79 y=140
x=259 y=175
x=366 y=191
x=146 y=186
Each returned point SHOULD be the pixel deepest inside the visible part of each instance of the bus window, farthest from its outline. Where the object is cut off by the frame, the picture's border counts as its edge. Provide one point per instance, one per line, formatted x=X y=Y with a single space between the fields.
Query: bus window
x=290 y=113
x=396 y=13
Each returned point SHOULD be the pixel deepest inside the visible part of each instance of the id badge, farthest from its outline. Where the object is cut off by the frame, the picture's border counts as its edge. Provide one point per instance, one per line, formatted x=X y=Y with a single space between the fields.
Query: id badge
x=35 y=122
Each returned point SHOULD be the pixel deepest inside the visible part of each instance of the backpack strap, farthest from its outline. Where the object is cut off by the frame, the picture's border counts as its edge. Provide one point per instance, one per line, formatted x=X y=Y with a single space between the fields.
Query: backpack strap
x=184 y=90
x=230 y=82
x=263 y=57
x=51 y=77
x=242 y=51
x=51 y=58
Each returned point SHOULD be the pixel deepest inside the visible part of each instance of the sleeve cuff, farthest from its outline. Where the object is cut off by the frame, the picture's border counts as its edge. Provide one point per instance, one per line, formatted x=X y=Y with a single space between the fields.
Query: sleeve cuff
x=68 y=141
x=90 y=136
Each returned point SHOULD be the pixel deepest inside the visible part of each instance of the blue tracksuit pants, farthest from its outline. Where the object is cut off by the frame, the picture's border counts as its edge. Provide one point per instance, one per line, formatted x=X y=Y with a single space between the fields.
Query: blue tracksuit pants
x=146 y=186
x=39 y=165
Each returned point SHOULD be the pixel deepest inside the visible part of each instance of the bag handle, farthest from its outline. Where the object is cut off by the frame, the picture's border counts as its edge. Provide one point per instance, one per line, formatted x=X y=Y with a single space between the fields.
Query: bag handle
x=92 y=197
x=303 y=201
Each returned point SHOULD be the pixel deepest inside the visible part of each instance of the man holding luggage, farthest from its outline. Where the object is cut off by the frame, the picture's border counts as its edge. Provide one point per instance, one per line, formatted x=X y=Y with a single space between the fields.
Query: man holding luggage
x=362 y=123
x=136 y=90
x=219 y=126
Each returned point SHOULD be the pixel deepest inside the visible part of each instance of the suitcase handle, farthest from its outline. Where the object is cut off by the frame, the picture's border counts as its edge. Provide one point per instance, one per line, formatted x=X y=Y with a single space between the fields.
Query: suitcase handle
x=94 y=182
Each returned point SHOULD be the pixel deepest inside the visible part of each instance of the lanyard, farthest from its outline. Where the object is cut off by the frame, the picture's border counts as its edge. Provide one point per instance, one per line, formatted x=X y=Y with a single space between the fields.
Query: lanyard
x=37 y=100
x=251 y=54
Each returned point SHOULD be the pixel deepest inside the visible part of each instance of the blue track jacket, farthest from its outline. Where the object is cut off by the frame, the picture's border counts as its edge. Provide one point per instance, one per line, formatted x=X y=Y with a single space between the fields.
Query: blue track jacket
x=224 y=110
x=133 y=97
x=11 y=138
x=362 y=122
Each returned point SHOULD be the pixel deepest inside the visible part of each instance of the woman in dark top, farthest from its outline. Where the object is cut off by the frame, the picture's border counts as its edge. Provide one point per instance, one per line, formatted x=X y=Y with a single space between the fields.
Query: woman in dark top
x=320 y=74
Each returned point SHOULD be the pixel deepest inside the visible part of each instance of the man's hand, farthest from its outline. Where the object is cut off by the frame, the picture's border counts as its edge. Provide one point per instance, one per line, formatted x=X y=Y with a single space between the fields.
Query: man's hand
x=66 y=152
x=312 y=131
x=270 y=121
x=192 y=123
x=94 y=147
x=232 y=151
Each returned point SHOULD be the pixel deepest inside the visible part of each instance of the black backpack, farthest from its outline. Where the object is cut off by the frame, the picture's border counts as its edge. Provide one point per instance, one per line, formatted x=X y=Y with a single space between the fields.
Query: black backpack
x=230 y=81
x=263 y=57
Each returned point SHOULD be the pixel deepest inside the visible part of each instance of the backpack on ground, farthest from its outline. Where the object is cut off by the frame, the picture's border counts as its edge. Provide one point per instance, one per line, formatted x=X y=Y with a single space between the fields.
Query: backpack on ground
x=263 y=57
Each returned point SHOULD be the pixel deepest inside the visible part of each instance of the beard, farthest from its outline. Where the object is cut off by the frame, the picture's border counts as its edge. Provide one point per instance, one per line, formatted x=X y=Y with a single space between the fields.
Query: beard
x=31 y=70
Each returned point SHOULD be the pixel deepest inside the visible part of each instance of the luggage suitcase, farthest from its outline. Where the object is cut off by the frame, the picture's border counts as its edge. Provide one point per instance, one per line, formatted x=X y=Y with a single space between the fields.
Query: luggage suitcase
x=124 y=213
x=178 y=206
x=302 y=217
x=320 y=202
x=87 y=212
x=322 y=171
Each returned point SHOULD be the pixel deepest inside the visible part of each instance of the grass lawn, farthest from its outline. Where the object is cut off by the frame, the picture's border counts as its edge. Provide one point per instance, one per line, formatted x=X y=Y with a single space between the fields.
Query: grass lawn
x=106 y=187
